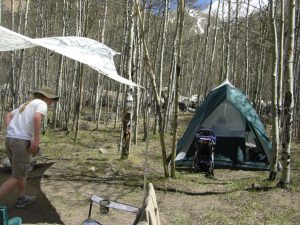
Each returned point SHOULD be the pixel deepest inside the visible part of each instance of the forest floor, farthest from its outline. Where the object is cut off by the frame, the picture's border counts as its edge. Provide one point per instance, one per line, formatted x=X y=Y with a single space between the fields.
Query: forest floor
x=68 y=173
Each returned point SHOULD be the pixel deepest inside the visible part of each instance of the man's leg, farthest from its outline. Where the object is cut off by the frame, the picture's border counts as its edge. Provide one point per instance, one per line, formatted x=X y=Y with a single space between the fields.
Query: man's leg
x=21 y=186
x=20 y=164
x=8 y=185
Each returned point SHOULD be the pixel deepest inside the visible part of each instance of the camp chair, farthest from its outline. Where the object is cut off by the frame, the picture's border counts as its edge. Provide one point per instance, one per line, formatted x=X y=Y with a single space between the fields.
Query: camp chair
x=105 y=205
x=147 y=214
x=4 y=218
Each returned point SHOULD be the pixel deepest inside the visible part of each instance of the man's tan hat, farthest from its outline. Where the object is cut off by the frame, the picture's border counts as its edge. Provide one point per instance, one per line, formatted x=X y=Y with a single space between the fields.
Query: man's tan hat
x=47 y=92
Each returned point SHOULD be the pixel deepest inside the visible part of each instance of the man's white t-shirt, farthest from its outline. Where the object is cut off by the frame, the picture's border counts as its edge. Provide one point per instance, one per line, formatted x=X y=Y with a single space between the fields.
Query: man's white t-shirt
x=21 y=125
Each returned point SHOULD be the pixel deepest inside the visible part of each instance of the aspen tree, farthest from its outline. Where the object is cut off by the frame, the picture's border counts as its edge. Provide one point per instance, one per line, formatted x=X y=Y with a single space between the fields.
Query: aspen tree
x=227 y=57
x=101 y=38
x=246 y=71
x=168 y=92
x=180 y=18
x=296 y=130
x=156 y=96
x=259 y=80
x=121 y=92
x=275 y=131
x=281 y=57
x=127 y=110
x=100 y=101
x=68 y=86
x=12 y=59
x=203 y=67
x=82 y=9
x=296 y=115
x=195 y=60
x=171 y=83
x=21 y=54
x=162 y=45
x=288 y=106
x=140 y=98
x=145 y=82
x=137 y=95
x=214 y=44
x=58 y=80
x=236 y=44
x=221 y=75
x=44 y=56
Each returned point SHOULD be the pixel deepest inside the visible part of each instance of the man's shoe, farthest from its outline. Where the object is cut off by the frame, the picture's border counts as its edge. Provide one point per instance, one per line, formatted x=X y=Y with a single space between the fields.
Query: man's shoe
x=25 y=200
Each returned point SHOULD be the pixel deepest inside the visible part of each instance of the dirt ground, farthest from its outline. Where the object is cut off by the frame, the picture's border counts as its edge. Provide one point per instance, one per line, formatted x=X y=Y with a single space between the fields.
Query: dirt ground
x=64 y=180
x=65 y=200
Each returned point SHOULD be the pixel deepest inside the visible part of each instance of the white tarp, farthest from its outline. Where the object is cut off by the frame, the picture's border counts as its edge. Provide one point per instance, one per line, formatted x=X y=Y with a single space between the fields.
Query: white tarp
x=90 y=52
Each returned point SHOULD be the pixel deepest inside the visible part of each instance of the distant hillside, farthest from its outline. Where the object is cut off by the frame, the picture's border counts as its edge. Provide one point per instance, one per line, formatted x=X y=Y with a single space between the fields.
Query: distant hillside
x=196 y=17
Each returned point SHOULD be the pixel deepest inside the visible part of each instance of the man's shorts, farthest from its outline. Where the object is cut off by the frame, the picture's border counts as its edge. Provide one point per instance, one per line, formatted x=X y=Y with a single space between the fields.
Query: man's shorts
x=19 y=156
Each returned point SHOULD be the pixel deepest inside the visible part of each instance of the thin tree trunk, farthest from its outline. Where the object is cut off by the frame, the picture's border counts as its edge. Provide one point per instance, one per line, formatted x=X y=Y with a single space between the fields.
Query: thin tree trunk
x=227 y=67
x=157 y=100
x=281 y=57
x=214 y=45
x=100 y=101
x=79 y=102
x=297 y=100
x=101 y=33
x=145 y=96
x=169 y=108
x=288 y=102
x=137 y=99
x=127 y=111
x=222 y=75
x=203 y=67
x=261 y=65
x=12 y=70
x=275 y=131
x=236 y=44
x=82 y=8
x=123 y=65
x=163 y=43
x=56 y=110
x=194 y=68
x=58 y=81
x=66 y=98
x=180 y=18
x=246 y=72
x=20 y=73
x=296 y=130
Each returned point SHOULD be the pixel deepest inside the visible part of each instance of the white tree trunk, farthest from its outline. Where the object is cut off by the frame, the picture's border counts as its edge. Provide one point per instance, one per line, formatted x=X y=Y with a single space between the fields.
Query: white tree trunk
x=288 y=101
x=275 y=131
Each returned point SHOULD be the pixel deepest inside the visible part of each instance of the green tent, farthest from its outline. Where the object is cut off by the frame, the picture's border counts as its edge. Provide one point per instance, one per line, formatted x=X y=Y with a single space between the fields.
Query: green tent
x=242 y=142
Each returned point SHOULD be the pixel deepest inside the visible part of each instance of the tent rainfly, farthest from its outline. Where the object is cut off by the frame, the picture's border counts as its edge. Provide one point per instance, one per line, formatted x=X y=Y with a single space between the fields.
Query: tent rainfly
x=88 y=51
x=242 y=142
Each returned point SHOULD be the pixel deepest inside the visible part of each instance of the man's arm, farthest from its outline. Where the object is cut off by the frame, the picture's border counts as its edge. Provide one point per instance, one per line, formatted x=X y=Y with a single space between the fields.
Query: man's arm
x=8 y=118
x=37 y=121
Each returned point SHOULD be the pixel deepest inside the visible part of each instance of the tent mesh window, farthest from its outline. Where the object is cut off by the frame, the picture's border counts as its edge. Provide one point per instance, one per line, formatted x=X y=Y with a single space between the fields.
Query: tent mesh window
x=226 y=121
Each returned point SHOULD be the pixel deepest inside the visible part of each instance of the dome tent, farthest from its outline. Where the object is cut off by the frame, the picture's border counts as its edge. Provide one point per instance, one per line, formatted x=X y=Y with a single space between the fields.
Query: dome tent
x=242 y=142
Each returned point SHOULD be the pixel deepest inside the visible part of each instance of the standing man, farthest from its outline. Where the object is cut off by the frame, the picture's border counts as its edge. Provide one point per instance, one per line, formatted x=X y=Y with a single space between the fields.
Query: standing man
x=23 y=128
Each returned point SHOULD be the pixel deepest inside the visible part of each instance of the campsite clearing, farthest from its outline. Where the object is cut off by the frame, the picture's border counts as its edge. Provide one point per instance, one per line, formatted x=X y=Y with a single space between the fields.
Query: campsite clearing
x=68 y=173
